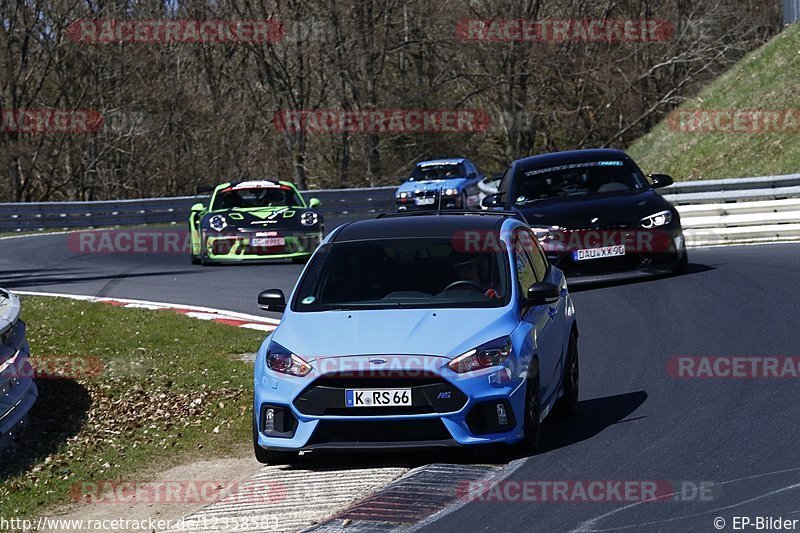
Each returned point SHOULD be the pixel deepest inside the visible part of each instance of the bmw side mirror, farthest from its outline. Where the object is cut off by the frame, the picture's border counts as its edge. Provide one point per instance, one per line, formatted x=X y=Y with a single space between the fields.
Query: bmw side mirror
x=543 y=293
x=272 y=300
x=491 y=200
x=472 y=175
x=198 y=207
x=314 y=202
x=661 y=180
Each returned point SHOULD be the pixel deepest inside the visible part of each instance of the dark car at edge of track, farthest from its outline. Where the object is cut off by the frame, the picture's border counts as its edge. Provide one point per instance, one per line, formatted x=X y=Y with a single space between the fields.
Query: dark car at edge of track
x=596 y=214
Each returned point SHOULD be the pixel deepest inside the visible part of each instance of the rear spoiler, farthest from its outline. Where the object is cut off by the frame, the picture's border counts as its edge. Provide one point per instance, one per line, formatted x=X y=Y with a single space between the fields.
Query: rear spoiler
x=203 y=190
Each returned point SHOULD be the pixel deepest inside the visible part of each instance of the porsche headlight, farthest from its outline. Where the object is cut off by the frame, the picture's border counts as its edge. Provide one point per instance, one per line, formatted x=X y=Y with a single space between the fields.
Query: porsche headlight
x=661 y=218
x=309 y=218
x=218 y=223
x=487 y=355
x=281 y=360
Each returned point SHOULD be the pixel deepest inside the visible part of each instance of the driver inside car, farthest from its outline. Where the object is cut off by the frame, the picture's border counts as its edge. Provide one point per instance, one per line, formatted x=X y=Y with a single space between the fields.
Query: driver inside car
x=469 y=270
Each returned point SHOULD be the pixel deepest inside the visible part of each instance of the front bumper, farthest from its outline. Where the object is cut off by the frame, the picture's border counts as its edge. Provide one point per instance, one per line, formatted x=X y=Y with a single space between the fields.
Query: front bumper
x=237 y=247
x=448 y=202
x=637 y=262
x=448 y=409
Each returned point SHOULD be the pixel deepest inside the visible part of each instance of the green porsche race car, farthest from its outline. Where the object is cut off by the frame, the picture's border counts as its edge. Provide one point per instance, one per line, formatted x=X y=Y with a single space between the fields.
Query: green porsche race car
x=254 y=221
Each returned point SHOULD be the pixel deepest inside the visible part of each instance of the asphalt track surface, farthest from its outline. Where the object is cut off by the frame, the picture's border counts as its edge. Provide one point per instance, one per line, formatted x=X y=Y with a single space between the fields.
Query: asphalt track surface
x=636 y=421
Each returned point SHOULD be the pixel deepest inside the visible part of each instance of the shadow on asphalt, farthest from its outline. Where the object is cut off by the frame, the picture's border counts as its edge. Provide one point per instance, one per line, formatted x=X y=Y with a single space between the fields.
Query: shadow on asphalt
x=593 y=417
x=694 y=268
x=58 y=414
x=17 y=280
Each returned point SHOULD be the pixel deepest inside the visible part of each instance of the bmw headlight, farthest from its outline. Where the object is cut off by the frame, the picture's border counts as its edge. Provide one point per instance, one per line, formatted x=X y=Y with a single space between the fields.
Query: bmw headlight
x=450 y=192
x=661 y=218
x=218 y=223
x=402 y=195
x=281 y=360
x=487 y=355
x=309 y=218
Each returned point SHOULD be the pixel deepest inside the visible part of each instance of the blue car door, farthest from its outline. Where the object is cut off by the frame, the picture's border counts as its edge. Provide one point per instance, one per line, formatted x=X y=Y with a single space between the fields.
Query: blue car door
x=546 y=322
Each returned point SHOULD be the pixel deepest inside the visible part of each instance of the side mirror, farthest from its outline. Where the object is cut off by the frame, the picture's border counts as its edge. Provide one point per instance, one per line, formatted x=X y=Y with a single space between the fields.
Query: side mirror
x=472 y=175
x=198 y=207
x=272 y=300
x=661 y=180
x=314 y=202
x=543 y=293
x=491 y=200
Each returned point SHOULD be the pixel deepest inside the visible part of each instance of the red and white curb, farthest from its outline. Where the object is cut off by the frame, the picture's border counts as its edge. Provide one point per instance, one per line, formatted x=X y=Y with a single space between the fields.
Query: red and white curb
x=230 y=318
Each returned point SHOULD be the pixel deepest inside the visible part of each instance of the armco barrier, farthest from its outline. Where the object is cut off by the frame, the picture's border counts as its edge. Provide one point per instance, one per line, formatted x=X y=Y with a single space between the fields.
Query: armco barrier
x=18 y=391
x=713 y=211
x=64 y=215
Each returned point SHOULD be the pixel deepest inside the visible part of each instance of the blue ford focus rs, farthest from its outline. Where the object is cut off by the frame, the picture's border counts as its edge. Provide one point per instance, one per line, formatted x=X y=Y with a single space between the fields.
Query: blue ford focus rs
x=417 y=331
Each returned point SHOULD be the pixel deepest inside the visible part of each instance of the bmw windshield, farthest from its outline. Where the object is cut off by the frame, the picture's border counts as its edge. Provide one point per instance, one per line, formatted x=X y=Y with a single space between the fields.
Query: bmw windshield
x=402 y=273
x=576 y=180
x=437 y=172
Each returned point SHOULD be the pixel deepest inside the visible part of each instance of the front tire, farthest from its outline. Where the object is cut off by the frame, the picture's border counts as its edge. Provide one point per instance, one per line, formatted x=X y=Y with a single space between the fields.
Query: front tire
x=532 y=426
x=683 y=265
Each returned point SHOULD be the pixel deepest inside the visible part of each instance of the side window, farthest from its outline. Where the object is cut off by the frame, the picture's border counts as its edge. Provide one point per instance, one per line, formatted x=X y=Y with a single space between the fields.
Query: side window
x=539 y=259
x=525 y=273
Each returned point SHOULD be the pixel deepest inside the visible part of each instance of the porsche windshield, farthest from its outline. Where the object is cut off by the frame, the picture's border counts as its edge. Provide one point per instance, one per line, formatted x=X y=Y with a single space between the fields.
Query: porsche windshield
x=576 y=179
x=402 y=273
x=255 y=197
x=437 y=172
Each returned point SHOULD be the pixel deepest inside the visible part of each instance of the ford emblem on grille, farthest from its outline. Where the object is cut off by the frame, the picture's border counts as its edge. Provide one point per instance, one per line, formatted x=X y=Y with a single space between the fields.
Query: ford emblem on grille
x=377 y=361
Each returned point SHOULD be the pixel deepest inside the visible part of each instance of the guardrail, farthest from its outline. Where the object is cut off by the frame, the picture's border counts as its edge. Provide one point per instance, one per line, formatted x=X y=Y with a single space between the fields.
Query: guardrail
x=18 y=391
x=713 y=211
x=65 y=215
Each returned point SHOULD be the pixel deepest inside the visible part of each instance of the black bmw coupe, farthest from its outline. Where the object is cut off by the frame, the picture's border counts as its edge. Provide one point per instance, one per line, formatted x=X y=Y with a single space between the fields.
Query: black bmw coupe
x=596 y=213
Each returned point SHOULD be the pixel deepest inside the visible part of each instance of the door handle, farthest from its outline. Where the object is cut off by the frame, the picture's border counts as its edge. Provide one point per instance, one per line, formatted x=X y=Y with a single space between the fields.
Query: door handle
x=552 y=312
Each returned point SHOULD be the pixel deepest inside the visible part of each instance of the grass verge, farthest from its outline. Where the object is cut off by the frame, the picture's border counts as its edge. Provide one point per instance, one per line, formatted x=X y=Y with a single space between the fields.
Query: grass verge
x=766 y=80
x=127 y=392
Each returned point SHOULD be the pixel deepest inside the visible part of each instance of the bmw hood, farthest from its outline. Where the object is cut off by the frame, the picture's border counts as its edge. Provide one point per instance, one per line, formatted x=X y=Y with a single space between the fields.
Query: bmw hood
x=436 y=332
x=434 y=185
x=607 y=209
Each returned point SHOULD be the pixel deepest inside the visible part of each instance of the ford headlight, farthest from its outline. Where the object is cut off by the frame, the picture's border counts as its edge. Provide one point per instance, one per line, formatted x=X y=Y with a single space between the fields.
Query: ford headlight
x=217 y=223
x=487 y=355
x=281 y=360
x=659 y=219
